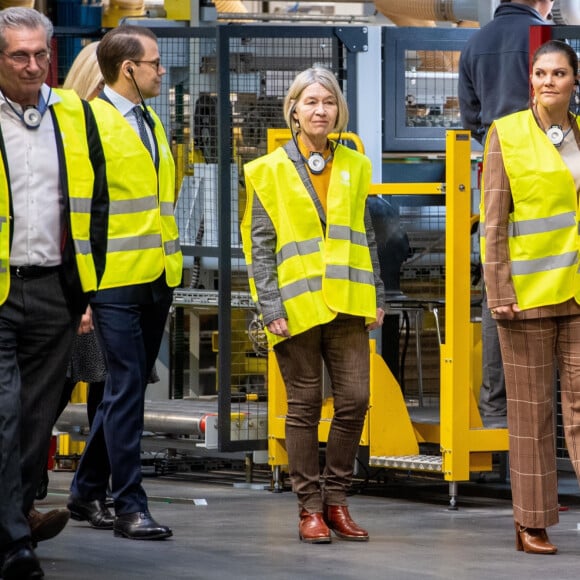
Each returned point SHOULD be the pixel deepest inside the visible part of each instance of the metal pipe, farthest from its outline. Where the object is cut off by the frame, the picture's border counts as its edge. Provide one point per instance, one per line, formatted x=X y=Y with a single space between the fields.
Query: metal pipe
x=566 y=12
x=285 y=17
x=156 y=420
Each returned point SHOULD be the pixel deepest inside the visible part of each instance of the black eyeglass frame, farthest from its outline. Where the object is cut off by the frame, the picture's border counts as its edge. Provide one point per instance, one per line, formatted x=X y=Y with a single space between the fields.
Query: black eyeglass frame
x=155 y=63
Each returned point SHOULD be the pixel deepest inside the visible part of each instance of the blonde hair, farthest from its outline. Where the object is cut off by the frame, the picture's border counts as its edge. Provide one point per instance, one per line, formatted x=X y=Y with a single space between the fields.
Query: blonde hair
x=84 y=75
x=324 y=77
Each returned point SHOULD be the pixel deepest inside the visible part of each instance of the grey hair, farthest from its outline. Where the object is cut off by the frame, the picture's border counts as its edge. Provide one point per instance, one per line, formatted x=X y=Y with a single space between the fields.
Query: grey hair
x=17 y=17
x=326 y=78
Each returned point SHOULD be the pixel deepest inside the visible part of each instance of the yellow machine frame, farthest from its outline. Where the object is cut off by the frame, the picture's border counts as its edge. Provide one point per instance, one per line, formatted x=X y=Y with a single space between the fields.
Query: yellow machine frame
x=391 y=435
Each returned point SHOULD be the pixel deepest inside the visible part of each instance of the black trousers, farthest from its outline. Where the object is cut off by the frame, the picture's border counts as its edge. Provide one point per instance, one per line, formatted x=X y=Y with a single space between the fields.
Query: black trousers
x=36 y=334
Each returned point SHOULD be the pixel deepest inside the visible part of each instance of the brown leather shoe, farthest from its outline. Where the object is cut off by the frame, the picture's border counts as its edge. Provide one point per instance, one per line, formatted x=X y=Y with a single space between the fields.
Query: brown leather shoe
x=533 y=540
x=339 y=521
x=312 y=529
x=44 y=526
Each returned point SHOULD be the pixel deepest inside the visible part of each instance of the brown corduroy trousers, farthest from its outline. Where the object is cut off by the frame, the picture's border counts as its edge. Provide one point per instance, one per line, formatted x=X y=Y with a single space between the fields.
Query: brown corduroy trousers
x=343 y=345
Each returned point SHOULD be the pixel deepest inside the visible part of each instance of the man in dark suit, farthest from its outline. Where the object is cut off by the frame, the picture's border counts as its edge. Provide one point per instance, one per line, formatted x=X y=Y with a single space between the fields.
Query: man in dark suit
x=144 y=263
x=53 y=216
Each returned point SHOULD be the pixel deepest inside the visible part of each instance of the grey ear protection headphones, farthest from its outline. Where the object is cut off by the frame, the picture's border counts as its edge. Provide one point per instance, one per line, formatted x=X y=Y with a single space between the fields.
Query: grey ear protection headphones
x=32 y=115
x=316 y=162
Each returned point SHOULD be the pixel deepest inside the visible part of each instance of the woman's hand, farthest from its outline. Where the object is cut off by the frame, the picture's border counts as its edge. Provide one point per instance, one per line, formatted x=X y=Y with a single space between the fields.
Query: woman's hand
x=86 y=324
x=279 y=327
x=378 y=322
x=506 y=312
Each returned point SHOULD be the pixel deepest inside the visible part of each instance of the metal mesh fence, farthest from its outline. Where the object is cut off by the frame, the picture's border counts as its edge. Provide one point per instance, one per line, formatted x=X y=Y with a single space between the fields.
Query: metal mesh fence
x=261 y=69
x=223 y=88
x=431 y=89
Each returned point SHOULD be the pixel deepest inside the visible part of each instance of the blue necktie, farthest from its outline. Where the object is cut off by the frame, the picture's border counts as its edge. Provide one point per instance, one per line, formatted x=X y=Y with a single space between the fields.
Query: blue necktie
x=138 y=112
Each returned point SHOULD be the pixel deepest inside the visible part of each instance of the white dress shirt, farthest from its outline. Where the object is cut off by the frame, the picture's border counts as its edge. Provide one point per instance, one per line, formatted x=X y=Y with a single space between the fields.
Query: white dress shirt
x=37 y=198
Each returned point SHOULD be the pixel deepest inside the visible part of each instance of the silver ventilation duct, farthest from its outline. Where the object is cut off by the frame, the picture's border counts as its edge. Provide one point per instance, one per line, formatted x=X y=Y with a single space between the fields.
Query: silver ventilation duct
x=405 y=12
x=566 y=12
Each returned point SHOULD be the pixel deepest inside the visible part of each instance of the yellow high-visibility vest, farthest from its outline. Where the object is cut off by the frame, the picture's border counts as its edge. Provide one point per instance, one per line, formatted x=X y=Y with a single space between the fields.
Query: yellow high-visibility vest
x=543 y=227
x=320 y=273
x=71 y=122
x=143 y=239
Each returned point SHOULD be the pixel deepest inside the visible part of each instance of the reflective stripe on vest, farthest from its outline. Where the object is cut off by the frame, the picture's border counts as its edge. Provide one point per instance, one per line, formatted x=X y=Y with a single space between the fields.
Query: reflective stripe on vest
x=537 y=226
x=123 y=206
x=318 y=276
x=301 y=287
x=520 y=267
x=543 y=229
x=346 y=233
x=71 y=122
x=303 y=248
x=142 y=234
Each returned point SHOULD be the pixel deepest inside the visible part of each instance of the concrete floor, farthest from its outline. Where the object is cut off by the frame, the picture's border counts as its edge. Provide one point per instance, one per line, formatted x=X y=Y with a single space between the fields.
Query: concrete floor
x=223 y=530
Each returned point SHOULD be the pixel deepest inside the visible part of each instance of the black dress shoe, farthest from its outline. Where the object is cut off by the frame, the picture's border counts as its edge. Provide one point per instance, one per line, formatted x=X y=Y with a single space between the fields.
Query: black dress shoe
x=21 y=563
x=95 y=512
x=140 y=526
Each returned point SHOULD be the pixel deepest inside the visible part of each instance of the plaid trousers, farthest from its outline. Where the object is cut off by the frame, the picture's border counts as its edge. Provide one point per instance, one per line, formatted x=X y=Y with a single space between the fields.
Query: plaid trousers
x=531 y=348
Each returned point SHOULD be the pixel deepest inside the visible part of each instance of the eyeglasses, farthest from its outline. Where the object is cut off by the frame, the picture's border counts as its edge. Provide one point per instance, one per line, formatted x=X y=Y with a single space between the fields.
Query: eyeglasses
x=154 y=63
x=23 y=58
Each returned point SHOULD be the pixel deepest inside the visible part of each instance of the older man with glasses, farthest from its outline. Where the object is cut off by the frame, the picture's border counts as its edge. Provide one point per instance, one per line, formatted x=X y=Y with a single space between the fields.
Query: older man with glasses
x=53 y=208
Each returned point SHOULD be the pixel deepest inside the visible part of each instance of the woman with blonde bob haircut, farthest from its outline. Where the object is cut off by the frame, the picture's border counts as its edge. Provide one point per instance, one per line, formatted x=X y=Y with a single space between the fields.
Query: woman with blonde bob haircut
x=313 y=268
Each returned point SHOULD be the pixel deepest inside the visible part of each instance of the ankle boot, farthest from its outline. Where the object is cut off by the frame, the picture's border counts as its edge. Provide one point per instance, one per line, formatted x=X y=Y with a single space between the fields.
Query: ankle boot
x=533 y=540
x=312 y=529
x=339 y=521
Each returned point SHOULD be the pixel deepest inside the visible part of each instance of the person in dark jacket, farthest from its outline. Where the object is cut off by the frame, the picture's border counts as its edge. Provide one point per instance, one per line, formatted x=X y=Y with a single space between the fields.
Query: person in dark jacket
x=494 y=80
x=494 y=69
x=54 y=205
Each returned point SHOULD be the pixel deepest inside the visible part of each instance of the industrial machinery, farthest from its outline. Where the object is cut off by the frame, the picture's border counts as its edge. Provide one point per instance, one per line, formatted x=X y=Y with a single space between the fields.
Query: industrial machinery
x=224 y=87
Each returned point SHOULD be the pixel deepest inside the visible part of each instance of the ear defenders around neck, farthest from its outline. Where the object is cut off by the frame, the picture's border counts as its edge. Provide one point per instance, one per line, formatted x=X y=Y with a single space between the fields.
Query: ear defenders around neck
x=32 y=117
x=316 y=162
